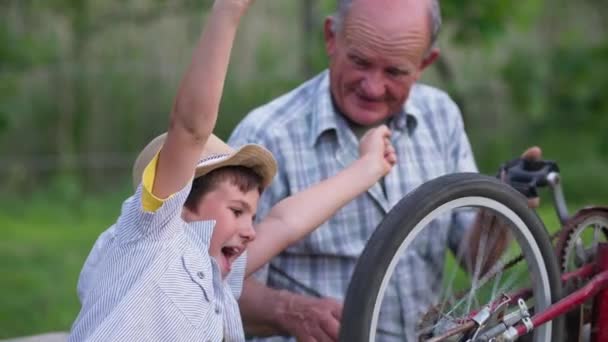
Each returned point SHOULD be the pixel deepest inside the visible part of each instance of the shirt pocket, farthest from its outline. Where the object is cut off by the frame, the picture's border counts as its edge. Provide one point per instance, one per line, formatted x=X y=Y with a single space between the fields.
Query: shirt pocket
x=189 y=287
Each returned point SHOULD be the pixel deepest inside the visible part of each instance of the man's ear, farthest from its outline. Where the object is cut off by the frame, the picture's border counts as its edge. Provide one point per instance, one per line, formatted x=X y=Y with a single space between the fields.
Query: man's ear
x=330 y=35
x=429 y=58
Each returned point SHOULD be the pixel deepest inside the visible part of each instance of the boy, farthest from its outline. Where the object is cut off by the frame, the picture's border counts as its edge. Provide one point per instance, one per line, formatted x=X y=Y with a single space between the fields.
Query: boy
x=172 y=265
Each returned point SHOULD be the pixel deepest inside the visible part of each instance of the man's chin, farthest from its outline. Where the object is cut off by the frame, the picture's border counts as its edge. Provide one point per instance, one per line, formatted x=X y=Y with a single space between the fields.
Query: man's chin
x=367 y=118
x=366 y=115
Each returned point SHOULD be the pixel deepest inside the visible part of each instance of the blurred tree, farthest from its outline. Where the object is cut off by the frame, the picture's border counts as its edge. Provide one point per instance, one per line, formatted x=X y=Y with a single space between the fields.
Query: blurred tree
x=467 y=23
x=561 y=89
x=66 y=65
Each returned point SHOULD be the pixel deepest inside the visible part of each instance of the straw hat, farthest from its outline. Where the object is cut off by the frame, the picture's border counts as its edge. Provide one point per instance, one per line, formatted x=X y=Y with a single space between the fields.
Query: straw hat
x=216 y=154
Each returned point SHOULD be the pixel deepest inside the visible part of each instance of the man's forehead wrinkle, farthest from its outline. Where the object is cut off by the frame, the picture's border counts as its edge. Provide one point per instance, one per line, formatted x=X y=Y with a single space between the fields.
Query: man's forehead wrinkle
x=394 y=6
x=365 y=36
x=397 y=21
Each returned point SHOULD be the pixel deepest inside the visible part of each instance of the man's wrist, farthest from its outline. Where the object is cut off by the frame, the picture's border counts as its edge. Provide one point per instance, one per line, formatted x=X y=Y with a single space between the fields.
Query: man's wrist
x=281 y=309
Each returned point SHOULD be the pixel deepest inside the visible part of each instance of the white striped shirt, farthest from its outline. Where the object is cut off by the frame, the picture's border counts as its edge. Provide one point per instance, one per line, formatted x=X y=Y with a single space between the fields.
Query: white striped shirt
x=150 y=278
x=312 y=142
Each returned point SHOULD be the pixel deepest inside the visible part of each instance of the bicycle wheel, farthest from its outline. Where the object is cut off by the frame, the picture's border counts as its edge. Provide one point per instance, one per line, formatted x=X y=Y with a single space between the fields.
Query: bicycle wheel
x=525 y=271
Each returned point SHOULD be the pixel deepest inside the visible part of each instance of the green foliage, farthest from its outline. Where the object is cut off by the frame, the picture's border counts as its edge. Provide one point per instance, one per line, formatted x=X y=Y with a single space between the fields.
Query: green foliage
x=22 y=50
x=558 y=94
x=249 y=96
x=475 y=22
x=565 y=85
x=19 y=52
x=44 y=244
x=8 y=89
x=95 y=78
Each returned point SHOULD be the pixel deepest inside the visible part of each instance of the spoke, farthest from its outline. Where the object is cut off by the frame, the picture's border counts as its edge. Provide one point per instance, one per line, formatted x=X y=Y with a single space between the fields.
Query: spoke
x=495 y=285
x=448 y=293
x=511 y=279
x=487 y=287
x=580 y=253
x=457 y=304
x=596 y=238
x=478 y=264
x=498 y=276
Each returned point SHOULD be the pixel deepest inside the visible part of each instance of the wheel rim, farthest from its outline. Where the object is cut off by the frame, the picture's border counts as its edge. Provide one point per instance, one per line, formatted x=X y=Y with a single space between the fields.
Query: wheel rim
x=524 y=238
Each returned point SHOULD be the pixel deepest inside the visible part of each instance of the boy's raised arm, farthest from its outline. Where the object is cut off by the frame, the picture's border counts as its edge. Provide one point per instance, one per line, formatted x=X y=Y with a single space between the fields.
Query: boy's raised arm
x=197 y=102
x=296 y=216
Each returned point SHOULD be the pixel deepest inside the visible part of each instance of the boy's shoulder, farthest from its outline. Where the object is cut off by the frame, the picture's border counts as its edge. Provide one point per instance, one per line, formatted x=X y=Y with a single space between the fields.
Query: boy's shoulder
x=170 y=281
x=136 y=223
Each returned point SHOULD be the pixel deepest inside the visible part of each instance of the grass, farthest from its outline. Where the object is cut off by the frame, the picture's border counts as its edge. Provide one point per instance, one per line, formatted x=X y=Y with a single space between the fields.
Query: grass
x=45 y=242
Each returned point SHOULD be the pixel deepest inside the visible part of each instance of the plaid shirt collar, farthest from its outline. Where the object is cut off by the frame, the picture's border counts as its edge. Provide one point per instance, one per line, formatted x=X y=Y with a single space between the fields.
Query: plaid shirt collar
x=326 y=116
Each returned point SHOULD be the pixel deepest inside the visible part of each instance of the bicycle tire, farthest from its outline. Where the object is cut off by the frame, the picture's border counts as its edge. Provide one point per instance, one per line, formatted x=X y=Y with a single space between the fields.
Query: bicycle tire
x=362 y=299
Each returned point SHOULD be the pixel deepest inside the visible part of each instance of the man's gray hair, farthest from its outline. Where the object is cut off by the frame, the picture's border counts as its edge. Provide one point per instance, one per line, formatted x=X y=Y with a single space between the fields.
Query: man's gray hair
x=434 y=17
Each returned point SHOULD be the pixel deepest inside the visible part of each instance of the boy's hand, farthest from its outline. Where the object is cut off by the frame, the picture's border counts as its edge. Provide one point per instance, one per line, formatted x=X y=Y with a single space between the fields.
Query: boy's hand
x=376 y=148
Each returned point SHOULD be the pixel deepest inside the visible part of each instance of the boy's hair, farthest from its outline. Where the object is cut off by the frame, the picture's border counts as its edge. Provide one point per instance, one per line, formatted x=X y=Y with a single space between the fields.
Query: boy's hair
x=243 y=177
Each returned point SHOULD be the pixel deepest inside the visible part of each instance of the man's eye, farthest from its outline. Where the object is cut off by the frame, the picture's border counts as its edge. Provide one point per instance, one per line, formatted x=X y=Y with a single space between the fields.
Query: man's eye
x=236 y=212
x=395 y=72
x=359 y=61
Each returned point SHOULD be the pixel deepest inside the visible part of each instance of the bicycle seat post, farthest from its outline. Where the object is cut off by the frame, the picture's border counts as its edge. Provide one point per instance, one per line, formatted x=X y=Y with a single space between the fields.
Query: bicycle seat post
x=559 y=201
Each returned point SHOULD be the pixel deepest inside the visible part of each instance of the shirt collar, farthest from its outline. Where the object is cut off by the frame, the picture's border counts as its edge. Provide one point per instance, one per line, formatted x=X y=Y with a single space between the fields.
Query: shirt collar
x=200 y=232
x=412 y=112
x=325 y=116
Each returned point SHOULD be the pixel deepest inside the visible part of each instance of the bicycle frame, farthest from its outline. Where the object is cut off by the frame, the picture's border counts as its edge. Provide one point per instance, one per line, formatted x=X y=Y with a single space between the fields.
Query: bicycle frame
x=506 y=308
x=597 y=287
x=559 y=201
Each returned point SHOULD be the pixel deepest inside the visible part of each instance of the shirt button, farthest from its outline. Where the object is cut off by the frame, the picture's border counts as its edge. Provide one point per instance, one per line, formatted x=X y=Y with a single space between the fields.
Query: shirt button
x=401 y=123
x=217 y=309
x=200 y=274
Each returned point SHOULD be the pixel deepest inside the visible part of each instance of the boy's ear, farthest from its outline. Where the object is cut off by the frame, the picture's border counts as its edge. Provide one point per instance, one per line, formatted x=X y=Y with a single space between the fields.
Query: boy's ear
x=188 y=215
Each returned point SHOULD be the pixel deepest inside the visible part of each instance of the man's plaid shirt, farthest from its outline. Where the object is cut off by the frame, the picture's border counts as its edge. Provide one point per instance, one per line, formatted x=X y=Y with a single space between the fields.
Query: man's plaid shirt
x=312 y=142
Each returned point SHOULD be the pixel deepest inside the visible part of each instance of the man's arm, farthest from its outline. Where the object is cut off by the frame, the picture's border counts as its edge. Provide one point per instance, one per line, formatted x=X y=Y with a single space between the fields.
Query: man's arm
x=296 y=216
x=306 y=318
x=196 y=105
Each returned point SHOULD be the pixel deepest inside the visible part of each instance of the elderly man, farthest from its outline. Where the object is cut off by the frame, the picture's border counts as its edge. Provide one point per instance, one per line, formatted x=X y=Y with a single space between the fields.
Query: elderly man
x=377 y=51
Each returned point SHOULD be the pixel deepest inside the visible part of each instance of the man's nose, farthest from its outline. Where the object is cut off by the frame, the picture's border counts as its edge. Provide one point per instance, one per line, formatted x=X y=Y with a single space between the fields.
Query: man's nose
x=373 y=85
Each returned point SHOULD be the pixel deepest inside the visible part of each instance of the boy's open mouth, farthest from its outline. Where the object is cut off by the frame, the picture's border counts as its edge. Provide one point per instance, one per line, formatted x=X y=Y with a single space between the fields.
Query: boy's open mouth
x=230 y=254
